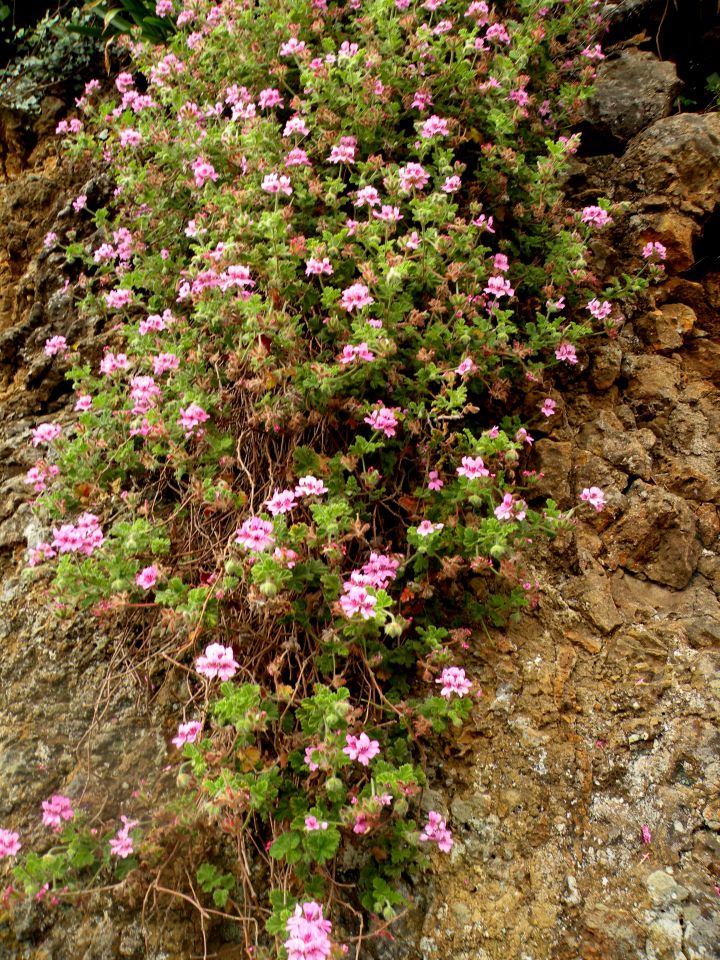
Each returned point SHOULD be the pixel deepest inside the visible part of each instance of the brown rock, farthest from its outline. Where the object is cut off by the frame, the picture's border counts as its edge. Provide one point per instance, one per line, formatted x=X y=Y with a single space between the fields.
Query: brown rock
x=666 y=328
x=554 y=460
x=656 y=537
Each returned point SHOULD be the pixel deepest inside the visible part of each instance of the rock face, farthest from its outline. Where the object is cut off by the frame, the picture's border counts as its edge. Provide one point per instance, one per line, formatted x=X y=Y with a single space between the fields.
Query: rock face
x=631 y=92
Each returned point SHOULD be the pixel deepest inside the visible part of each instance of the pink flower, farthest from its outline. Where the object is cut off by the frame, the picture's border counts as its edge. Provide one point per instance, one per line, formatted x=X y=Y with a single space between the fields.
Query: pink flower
x=163 y=8
x=291 y=47
x=344 y=152
x=282 y=501
x=451 y=185
x=270 y=97
x=316 y=267
x=85 y=536
x=436 y=830
x=187 y=733
x=367 y=196
x=497 y=31
x=357 y=600
x=360 y=352
x=122 y=844
x=297 y=158
x=145 y=393
x=413 y=176
x=377 y=572
x=454 y=681
x=473 y=468
x=147 y=578
x=312 y=823
x=465 y=366
x=83 y=402
x=55 y=345
x=130 y=137
x=164 y=362
x=296 y=125
x=566 y=352
x=384 y=420
x=9 y=843
x=79 y=203
x=434 y=481
x=49 y=239
x=423 y=98
x=654 y=249
x=499 y=287
x=361 y=748
x=548 y=407
x=361 y=824
x=388 y=213
x=510 y=509
x=273 y=183
x=500 y=262
x=308 y=933
x=434 y=126
x=124 y=82
x=594 y=496
x=645 y=834
x=310 y=487
x=112 y=362
x=255 y=534
x=116 y=299
x=217 y=661
x=599 y=310
x=45 y=433
x=203 y=171
x=154 y=323
x=412 y=240
x=593 y=53
x=310 y=752
x=191 y=418
x=55 y=810
x=425 y=528
x=355 y=297
x=596 y=216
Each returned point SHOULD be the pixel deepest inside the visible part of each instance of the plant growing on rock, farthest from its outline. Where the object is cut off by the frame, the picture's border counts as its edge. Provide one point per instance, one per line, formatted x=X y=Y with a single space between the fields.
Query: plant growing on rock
x=337 y=258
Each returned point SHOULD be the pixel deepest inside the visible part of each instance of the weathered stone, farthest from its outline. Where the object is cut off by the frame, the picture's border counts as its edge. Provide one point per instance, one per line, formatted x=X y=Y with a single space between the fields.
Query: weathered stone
x=653 y=380
x=553 y=458
x=667 y=327
x=677 y=159
x=656 y=537
x=606 y=363
x=631 y=92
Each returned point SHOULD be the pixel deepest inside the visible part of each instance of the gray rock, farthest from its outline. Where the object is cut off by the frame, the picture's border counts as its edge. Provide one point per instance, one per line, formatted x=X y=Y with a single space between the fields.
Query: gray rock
x=631 y=92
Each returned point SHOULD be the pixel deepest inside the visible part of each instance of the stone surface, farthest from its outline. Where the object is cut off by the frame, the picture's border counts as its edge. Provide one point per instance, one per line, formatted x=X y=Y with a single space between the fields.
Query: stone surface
x=632 y=91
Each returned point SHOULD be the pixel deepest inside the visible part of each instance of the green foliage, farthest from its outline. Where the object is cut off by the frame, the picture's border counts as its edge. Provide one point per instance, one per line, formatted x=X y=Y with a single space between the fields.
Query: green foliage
x=50 y=57
x=121 y=17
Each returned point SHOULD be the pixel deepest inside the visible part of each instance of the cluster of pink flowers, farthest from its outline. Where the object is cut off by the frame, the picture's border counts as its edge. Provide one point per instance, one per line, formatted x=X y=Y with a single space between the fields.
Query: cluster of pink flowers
x=511 y=509
x=595 y=216
x=217 y=661
x=473 y=468
x=203 y=171
x=55 y=810
x=308 y=933
x=9 y=843
x=437 y=831
x=38 y=475
x=191 y=418
x=255 y=534
x=361 y=749
x=45 y=433
x=317 y=267
x=55 y=346
x=116 y=299
x=112 y=362
x=355 y=297
x=282 y=501
x=357 y=600
x=654 y=249
x=164 y=362
x=594 y=496
x=145 y=393
x=312 y=823
x=383 y=419
x=69 y=126
x=275 y=183
x=122 y=844
x=454 y=680
x=343 y=152
x=155 y=323
x=566 y=353
x=413 y=176
x=84 y=536
x=310 y=486
x=599 y=310
x=187 y=733
x=434 y=126
x=377 y=572
x=359 y=352
x=499 y=287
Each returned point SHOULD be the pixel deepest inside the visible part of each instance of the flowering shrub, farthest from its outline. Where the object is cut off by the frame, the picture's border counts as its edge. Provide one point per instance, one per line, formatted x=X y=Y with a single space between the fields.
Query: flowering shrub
x=337 y=258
